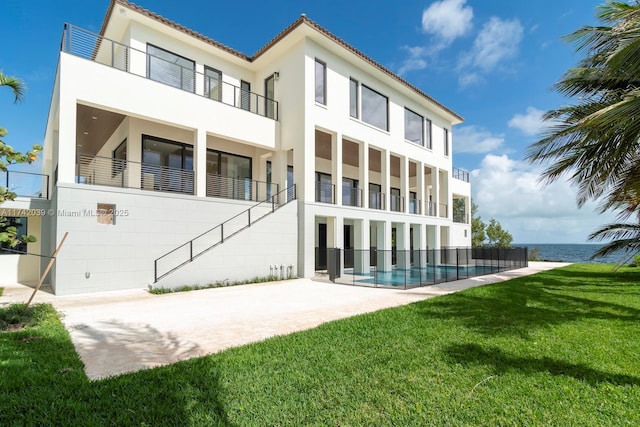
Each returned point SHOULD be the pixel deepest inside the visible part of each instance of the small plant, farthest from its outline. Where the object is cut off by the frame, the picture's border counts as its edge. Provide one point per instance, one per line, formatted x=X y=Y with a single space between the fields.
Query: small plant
x=534 y=254
x=636 y=261
x=219 y=284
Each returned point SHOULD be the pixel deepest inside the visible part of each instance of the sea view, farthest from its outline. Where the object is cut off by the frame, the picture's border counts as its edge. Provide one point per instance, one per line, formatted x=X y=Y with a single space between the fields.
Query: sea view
x=565 y=252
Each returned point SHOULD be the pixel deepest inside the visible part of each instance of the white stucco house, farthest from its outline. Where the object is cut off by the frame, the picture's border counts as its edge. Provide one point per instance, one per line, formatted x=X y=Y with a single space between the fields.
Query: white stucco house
x=172 y=159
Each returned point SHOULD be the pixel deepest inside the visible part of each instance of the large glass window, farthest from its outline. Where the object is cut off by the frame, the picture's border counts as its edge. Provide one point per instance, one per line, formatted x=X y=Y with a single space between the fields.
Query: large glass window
x=213 y=83
x=353 y=98
x=428 y=133
x=375 y=196
x=20 y=223
x=350 y=192
x=228 y=175
x=269 y=94
x=119 y=159
x=324 y=188
x=167 y=67
x=166 y=165
x=413 y=127
x=321 y=82
x=375 y=108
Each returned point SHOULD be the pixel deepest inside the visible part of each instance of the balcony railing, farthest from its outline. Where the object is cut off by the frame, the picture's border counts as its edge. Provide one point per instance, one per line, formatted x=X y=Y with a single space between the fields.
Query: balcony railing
x=460 y=174
x=443 y=210
x=376 y=200
x=85 y=44
x=461 y=217
x=397 y=203
x=27 y=184
x=352 y=197
x=430 y=208
x=414 y=206
x=325 y=192
x=110 y=172
x=239 y=188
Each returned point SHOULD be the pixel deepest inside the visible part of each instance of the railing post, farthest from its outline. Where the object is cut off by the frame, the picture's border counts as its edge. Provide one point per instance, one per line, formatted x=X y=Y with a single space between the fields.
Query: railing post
x=48 y=187
x=222 y=233
x=7 y=175
x=155 y=271
x=190 y=250
x=249 y=216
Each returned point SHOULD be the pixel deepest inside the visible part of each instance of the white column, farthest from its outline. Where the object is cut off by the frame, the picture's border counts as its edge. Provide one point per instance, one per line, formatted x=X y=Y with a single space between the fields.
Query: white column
x=385 y=171
x=435 y=173
x=420 y=243
x=200 y=161
x=67 y=137
x=363 y=175
x=336 y=166
x=279 y=170
x=404 y=182
x=361 y=245
x=383 y=231
x=403 y=245
x=420 y=189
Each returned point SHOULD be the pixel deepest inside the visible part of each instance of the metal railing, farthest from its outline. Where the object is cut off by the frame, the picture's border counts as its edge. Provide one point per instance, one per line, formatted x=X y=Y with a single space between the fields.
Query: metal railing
x=406 y=269
x=396 y=203
x=239 y=188
x=352 y=197
x=461 y=217
x=325 y=192
x=86 y=44
x=27 y=184
x=443 y=210
x=111 y=172
x=460 y=174
x=377 y=200
x=414 y=206
x=430 y=208
x=187 y=252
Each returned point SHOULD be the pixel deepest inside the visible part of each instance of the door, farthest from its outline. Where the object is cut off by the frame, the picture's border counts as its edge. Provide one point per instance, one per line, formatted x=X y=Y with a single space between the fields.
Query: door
x=321 y=250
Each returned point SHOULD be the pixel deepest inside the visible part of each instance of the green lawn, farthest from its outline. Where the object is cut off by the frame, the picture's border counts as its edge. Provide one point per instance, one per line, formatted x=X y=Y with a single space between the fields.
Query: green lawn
x=557 y=348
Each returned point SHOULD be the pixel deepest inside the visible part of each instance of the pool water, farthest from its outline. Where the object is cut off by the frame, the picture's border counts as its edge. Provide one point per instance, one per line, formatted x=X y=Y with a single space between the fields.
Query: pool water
x=416 y=276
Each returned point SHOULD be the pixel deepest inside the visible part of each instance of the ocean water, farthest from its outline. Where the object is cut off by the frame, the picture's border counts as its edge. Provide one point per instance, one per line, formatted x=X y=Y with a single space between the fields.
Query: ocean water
x=572 y=253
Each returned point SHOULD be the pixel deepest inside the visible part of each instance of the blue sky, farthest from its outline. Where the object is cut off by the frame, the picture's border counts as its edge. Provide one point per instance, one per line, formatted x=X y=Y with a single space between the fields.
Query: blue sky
x=492 y=62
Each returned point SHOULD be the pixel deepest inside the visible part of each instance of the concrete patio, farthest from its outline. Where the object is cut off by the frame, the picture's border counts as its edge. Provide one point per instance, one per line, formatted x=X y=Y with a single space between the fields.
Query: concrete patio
x=125 y=331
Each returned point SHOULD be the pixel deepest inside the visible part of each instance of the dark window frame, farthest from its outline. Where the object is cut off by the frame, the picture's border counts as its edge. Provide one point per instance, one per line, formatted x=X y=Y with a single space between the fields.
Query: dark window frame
x=245 y=95
x=207 y=82
x=115 y=156
x=323 y=100
x=446 y=141
x=269 y=103
x=386 y=98
x=428 y=130
x=409 y=110
x=355 y=93
x=20 y=248
x=181 y=87
x=220 y=153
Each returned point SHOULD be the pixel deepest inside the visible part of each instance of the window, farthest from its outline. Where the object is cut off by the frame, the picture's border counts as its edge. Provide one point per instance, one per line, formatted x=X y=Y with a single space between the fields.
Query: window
x=245 y=95
x=396 y=200
x=375 y=196
x=290 y=194
x=413 y=127
x=446 y=142
x=212 y=83
x=228 y=175
x=119 y=162
x=20 y=223
x=105 y=213
x=166 y=165
x=169 y=68
x=375 y=108
x=350 y=193
x=321 y=82
x=324 y=188
x=354 y=100
x=428 y=136
x=269 y=93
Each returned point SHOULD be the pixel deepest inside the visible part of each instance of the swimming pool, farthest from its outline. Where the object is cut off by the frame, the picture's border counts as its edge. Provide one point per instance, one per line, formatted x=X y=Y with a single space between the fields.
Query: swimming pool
x=416 y=276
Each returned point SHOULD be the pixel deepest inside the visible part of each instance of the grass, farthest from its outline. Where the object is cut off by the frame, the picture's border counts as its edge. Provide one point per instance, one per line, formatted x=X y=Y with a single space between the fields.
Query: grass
x=219 y=284
x=557 y=348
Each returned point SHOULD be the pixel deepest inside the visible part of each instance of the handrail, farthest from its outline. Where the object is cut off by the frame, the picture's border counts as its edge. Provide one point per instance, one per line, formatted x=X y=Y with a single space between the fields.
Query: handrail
x=37 y=184
x=94 y=47
x=211 y=238
x=460 y=174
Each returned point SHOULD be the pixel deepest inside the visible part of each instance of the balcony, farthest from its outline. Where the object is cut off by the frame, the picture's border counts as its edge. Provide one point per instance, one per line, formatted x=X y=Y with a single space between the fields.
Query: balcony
x=105 y=171
x=414 y=206
x=376 y=200
x=85 y=44
x=397 y=203
x=325 y=192
x=352 y=197
x=27 y=184
x=460 y=174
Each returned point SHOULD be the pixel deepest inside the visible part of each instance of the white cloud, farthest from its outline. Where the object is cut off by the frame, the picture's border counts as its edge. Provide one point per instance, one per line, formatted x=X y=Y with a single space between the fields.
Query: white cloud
x=508 y=190
x=415 y=61
x=474 y=139
x=447 y=19
x=497 y=42
x=530 y=123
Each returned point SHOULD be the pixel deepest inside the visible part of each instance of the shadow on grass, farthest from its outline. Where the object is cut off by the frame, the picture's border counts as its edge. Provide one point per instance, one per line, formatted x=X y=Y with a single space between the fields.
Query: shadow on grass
x=523 y=305
x=42 y=382
x=501 y=362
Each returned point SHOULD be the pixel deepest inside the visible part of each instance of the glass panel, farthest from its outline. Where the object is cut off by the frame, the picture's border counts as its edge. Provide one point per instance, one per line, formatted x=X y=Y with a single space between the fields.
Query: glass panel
x=167 y=166
x=428 y=129
x=269 y=93
x=213 y=83
x=321 y=82
x=353 y=98
x=119 y=159
x=375 y=196
x=289 y=182
x=20 y=223
x=245 y=95
x=374 y=108
x=350 y=192
x=413 y=127
x=446 y=142
x=171 y=69
x=324 y=191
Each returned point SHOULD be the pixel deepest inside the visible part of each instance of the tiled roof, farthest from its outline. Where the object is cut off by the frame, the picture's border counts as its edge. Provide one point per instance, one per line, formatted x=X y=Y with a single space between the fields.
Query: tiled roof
x=300 y=21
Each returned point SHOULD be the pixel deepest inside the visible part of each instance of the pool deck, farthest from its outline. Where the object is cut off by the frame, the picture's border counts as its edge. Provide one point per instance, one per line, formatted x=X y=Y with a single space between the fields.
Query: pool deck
x=125 y=331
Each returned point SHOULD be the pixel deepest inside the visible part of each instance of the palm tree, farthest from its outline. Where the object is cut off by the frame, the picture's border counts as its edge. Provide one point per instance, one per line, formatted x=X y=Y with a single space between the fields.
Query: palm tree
x=15 y=84
x=596 y=141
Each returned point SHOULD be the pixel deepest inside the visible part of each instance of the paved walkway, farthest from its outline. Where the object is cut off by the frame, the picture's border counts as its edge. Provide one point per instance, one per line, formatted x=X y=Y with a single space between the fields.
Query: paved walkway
x=125 y=331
